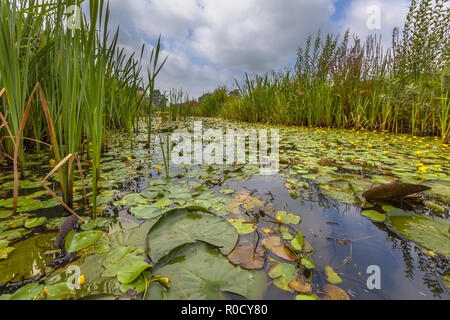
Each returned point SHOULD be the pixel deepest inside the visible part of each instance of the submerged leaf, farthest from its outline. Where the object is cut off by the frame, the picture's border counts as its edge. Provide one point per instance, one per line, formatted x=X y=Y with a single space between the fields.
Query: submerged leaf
x=334 y=293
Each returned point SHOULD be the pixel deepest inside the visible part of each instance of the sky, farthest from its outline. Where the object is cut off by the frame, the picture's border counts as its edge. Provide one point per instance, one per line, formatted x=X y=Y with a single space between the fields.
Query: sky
x=210 y=43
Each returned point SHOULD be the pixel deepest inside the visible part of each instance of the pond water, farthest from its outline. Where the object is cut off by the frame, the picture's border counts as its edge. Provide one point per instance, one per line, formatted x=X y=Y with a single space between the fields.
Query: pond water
x=317 y=192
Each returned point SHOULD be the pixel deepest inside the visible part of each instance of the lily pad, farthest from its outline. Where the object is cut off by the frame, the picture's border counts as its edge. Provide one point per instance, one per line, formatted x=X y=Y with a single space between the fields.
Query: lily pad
x=97 y=223
x=5 y=214
x=59 y=291
x=131 y=199
x=374 y=215
x=146 y=212
x=3 y=244
x=247 y=257
x=28 y=260
x=297 y=243
x=190 y=267
x=305 y=297
x=334 y=293
x=35 y=222
x=307 y=263
x=127 y=263
x=274 y=244
x=300 y=287
x=440 y=188
x=430 y=232
x=242 y=226
x=79 y=241
x=227 y=191
x=181 y=226
x=288 y=218
x=28 y=292
x=4 y=252
x=282 y=274
x=332 y=276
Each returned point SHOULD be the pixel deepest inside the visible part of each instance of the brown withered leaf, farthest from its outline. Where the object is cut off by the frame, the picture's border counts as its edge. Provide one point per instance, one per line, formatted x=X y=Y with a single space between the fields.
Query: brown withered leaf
x=334 y=293
x=395 y=190
x=247 y=258
x=300 y=286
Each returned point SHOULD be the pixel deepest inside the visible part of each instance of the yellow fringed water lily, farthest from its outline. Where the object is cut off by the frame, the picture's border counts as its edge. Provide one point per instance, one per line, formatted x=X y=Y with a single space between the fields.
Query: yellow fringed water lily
x=422 y=169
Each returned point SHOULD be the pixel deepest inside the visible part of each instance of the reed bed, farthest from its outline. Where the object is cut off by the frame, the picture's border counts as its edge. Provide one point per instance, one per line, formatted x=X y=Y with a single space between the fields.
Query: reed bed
x=345 y=82
x=63 y=86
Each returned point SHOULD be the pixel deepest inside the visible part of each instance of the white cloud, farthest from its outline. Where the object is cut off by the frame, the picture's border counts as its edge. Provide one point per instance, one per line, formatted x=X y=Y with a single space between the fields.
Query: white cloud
x=258 y=35
x=359 y=17
x=209 y=42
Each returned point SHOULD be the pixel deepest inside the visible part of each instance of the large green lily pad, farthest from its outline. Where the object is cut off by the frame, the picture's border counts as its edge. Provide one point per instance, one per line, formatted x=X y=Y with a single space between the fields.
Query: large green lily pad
x=181 y=226
x=189 y=268
x=78 y=241
x=441 y=188
x=28 y=292
x=430 y=232
x=146 y=212
x=126 y=263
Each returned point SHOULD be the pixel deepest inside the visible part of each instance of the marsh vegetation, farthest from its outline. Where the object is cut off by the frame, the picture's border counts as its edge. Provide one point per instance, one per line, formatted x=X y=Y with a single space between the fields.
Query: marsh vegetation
x=80 y=136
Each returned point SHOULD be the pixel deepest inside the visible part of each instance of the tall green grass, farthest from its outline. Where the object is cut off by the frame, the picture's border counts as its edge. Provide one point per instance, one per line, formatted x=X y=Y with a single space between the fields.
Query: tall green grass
x=86 y=82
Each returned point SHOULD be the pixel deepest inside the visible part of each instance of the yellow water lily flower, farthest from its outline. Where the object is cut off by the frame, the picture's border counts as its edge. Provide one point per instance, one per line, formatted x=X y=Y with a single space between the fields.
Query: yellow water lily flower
x=82 y=279
x=159 y=168
x=423 y=169
x=52 y=162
